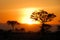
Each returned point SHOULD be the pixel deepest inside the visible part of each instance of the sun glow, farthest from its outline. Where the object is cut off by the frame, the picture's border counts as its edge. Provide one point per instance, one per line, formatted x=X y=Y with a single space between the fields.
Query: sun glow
x=26 y=12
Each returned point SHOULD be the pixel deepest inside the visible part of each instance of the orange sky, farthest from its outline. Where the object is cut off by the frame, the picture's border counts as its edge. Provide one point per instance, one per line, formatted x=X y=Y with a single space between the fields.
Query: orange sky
x=11 y=9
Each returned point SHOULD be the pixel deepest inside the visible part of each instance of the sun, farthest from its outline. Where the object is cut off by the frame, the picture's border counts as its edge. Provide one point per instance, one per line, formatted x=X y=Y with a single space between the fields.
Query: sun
x=26 y=13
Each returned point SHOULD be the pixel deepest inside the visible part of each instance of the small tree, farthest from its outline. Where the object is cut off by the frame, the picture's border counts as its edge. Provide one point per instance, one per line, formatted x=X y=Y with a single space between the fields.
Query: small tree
x=43 y=17
x=58 y=27
x=12 y=23
x=22 y=30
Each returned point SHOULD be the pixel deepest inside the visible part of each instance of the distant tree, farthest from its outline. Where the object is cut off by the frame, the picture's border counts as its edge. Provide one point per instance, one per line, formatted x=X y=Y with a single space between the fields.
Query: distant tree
x=12 y=23
x=43 y=17
x=22 y=30
x=58 y=27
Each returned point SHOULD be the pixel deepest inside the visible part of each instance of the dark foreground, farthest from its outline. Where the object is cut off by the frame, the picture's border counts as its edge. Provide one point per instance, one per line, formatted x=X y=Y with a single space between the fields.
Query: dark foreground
x=4 y=35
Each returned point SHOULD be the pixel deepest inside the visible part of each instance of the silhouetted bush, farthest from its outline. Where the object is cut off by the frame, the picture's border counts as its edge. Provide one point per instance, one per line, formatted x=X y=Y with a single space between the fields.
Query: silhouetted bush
x=58 y=27
x=22 y=30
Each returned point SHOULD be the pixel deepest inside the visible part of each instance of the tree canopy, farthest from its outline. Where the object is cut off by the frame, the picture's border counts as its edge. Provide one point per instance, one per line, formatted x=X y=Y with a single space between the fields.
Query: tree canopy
x=42 y=15
x=12 y=23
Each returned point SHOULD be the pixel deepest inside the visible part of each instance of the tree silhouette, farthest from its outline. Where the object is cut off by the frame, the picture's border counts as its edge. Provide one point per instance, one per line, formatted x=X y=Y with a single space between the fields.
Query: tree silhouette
x=22 y=30
x=58 y=27
x=43 y=17
x=12 y=23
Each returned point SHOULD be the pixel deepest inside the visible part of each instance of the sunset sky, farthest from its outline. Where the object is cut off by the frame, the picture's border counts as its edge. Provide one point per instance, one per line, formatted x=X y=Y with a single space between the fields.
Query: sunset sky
x=14 y=9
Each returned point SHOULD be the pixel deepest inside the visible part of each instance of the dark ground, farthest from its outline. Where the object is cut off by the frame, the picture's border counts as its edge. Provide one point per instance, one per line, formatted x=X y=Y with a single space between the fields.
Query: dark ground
x=7 y=35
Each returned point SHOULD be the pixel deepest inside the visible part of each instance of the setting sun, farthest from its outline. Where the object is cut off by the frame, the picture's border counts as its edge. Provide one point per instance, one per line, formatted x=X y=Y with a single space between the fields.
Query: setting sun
x=26 y=12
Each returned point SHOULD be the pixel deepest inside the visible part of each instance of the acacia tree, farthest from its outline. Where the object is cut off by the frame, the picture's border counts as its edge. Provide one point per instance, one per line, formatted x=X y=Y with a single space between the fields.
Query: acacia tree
x=12 y=23
x=43 y=17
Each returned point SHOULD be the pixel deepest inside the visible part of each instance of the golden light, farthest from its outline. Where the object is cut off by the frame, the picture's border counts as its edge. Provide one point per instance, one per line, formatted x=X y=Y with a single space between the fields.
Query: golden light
x=26 y=13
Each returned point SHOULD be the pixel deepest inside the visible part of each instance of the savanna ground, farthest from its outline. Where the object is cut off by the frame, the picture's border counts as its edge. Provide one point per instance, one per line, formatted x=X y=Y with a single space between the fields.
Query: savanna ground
x=9 y=35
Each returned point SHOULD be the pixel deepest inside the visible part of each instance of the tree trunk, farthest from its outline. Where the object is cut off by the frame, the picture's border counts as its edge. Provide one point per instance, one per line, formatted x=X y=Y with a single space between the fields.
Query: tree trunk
x=45 y=28
x=13 y=28
x=42 y=28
